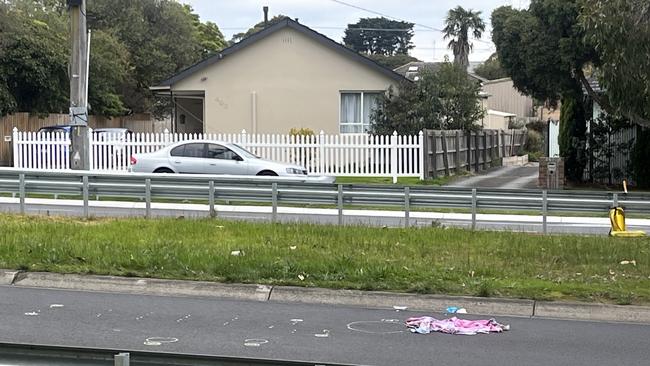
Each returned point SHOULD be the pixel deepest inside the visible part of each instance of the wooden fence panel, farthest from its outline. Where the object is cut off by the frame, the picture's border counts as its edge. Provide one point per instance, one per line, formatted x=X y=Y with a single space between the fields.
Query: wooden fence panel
x=451 y=152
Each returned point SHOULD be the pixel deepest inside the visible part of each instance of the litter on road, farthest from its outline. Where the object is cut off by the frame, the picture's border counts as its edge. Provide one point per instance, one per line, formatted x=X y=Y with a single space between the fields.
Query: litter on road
x=456 y=310
x=427 y=324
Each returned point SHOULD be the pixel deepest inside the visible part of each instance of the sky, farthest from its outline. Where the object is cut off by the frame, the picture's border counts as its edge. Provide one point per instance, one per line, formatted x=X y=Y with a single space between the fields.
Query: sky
x=330 y=17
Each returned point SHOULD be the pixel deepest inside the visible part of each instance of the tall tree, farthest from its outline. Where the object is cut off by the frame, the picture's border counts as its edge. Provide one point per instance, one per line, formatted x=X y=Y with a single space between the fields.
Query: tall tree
x=392 y=62
x=457 y=27
x=620 y=33
x=256 y=28
x=491 y=69
x=162 y=37
x=543 y=49
x=445 y=99
x=379 y=36
x=33 y=64
x=109 y=68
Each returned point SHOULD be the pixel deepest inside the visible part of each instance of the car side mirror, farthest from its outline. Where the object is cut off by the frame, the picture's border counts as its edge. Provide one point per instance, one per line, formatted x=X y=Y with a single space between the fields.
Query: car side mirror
x=238 y=158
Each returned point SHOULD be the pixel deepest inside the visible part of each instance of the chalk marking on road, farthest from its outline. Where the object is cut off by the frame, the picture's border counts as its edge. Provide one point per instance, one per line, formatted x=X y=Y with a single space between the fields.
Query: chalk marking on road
x=55 y=306
x=255 y=342
x=354 y=326
x=157 y=341
x=183 y=318
x=324 y=334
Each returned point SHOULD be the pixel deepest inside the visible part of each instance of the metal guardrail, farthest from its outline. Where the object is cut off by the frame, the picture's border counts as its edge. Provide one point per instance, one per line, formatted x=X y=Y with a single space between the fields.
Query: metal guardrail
x=296 y=191
x=37 y=355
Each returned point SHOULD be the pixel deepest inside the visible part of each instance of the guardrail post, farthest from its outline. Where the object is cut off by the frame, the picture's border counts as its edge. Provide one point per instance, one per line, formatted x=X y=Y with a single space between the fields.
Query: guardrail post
x=85 y=195
x=544 y=211
x=339 y=204
x=147 y=195
x=615 y=200
x=213 y=213
x=407 y=206
x=123 y=359
x=474 y=208
x=21 y=190
x=274 y=202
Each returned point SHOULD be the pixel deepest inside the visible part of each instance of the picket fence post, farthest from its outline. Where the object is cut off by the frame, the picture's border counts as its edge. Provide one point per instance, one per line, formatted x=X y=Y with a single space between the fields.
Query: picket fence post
x=14 y=144
x=321 y=152
x=166 y=136
x=242 y=138
x=393 y=156
x=421 y=147
x=91 y=165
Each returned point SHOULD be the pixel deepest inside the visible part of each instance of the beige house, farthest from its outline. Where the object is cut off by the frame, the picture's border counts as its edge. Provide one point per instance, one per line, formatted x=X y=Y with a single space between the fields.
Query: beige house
x=285 y=76
x=504 y=97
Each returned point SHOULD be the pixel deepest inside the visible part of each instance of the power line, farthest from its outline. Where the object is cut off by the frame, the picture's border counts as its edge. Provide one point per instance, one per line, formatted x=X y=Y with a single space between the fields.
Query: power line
x=383 y=15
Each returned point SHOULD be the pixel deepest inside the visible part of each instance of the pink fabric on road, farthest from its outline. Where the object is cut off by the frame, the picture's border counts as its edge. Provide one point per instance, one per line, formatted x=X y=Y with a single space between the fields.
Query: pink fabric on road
x=427 y=324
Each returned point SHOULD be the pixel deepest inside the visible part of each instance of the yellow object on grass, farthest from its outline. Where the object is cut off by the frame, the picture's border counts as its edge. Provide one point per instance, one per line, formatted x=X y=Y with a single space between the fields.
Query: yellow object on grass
x=617 y=219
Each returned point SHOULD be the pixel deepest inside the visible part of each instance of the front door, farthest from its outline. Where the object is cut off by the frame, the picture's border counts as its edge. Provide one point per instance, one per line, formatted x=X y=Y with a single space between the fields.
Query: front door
x=222 y=160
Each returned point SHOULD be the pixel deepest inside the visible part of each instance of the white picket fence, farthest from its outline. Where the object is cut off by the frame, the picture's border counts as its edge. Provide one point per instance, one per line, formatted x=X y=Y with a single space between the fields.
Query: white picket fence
x=332 y=155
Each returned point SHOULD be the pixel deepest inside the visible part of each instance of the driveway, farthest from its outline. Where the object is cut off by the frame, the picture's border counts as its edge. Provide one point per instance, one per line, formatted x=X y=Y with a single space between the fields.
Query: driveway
x=513 y=177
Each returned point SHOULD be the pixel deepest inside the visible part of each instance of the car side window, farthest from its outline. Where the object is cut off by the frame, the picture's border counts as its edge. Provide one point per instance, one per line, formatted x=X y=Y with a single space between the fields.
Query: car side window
x=177 y=151
x=194 y=151
x=189 y=151
x=221 y=152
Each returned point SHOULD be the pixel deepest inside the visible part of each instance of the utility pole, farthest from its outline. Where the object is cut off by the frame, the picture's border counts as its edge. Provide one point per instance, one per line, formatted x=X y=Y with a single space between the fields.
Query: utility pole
x=79 y=139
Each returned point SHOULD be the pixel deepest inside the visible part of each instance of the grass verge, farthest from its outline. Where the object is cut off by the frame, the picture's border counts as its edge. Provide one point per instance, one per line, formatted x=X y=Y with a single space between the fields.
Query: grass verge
x=407 y=181
x=424 y=260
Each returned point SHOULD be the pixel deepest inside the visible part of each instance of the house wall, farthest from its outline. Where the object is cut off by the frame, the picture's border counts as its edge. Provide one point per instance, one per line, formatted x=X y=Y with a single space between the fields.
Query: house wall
x=286 y=80
x=505 y=98
x=495 y=122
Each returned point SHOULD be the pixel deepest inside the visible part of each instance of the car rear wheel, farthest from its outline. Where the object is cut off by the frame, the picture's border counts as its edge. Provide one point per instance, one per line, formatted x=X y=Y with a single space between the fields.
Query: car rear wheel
x=163 y=170
x=268 y=173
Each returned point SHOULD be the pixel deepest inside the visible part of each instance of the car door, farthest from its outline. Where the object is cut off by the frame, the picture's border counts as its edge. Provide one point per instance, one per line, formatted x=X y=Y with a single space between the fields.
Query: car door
x=222 y=160
x=188 y=158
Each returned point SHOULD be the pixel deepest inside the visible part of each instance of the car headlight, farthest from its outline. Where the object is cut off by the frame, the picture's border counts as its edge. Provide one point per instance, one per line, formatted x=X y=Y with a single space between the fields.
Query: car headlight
x=295 y=171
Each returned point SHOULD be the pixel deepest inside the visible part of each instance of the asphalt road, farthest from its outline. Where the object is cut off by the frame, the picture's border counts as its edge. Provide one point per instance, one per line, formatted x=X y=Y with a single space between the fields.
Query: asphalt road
x=350 y=219
x=315 y=333
x=516 y=177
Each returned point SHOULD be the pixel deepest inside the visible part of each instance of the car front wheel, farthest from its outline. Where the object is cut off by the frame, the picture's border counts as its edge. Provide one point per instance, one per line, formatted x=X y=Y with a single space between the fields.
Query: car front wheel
x=268 y=173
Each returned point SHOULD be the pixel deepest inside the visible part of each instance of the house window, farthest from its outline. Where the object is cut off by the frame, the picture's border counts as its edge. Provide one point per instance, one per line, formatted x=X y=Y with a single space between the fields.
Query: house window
x=356 y=111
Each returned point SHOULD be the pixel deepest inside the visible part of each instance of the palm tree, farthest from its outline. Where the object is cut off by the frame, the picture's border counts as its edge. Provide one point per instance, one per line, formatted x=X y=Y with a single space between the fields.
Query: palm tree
x=457 y=26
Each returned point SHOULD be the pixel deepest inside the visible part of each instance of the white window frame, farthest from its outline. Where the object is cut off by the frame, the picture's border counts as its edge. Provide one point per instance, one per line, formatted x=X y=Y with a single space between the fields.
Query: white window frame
x=362 y=92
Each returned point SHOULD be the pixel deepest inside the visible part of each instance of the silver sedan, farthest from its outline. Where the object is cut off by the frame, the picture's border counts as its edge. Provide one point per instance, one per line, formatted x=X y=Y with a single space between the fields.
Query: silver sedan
x=212 y=157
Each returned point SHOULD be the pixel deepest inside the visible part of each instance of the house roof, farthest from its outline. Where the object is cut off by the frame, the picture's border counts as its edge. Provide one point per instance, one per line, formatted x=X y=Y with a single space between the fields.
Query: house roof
x=286 y=23
x=412 y=69
x=500 y=114
x=497 y=81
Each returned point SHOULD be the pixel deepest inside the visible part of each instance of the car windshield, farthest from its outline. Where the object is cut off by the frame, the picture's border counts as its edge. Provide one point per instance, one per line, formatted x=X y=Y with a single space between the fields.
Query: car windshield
x=246 y=153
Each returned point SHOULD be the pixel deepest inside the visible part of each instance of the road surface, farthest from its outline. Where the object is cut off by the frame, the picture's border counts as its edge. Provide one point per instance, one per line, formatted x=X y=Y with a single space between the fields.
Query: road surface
x=515 y=177
x=317 y=333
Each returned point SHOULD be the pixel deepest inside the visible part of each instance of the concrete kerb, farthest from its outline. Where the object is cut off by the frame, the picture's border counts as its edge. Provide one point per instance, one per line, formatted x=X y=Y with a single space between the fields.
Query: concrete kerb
x=7 y=277
x=367 y=299
x=599 y=312
x=145 y=286
x=431 y=303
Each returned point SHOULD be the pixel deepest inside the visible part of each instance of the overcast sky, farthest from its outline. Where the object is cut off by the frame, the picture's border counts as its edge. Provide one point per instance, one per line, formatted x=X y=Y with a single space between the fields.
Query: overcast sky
x=330 y=17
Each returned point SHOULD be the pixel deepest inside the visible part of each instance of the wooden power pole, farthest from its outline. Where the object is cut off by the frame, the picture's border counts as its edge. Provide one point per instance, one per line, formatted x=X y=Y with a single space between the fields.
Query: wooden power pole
x=79 y=138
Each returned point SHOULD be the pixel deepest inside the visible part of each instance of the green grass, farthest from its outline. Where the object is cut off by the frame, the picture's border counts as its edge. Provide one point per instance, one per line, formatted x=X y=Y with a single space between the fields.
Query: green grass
x=407 y=181
x=425 y=260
